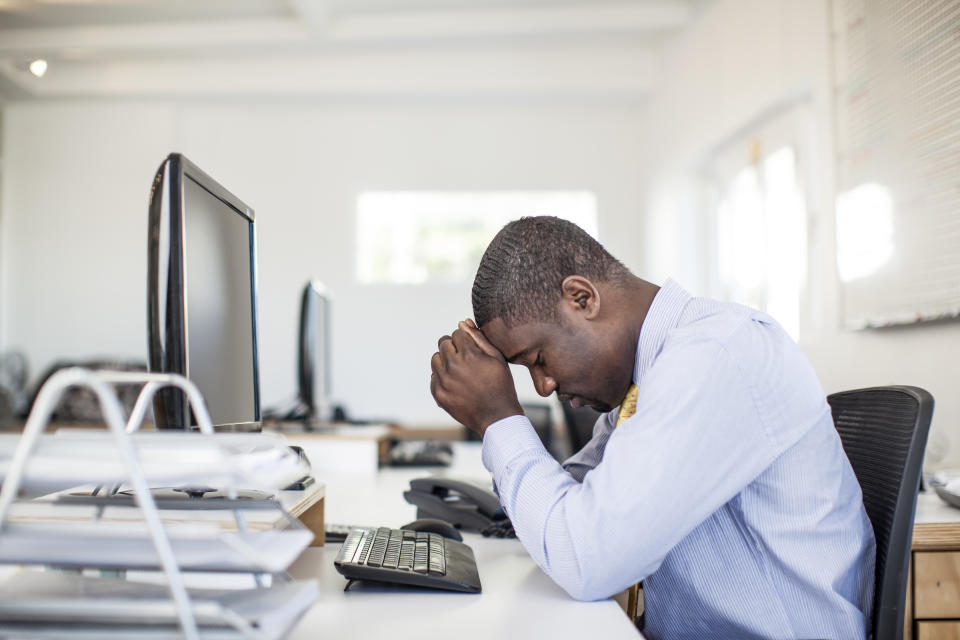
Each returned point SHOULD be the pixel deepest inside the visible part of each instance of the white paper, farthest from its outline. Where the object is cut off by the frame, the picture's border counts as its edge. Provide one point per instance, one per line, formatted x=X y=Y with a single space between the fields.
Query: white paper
x=44 y=602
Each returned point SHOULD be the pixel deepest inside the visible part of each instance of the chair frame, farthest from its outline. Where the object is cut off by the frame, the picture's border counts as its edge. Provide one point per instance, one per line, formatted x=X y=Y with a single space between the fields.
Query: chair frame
x=890 y=583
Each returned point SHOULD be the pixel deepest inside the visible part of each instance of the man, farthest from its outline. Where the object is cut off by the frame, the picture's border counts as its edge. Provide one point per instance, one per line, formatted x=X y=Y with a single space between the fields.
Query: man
x=727 y=491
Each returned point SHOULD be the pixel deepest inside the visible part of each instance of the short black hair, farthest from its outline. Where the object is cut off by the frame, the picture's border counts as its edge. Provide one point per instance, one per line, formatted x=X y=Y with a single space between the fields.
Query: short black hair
x=521 y=273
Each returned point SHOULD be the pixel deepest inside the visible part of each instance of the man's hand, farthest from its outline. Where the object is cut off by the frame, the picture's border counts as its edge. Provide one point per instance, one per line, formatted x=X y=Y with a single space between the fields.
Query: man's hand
x=471 y=380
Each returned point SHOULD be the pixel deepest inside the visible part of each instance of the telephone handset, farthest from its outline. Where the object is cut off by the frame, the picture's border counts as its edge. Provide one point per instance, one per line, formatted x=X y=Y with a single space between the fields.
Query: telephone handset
x=461 y=503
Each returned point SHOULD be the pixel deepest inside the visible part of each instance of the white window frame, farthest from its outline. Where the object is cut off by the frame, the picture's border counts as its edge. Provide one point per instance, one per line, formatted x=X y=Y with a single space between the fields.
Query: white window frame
x=790 y=126
x=389 y=228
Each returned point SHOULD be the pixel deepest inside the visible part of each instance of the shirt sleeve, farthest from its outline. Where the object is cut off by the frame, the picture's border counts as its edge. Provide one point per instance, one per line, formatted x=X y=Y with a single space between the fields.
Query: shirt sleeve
x=696 y=440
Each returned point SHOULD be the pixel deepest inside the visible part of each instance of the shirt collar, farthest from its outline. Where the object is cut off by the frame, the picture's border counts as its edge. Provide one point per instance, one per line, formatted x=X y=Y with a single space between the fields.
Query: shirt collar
x=662 y=316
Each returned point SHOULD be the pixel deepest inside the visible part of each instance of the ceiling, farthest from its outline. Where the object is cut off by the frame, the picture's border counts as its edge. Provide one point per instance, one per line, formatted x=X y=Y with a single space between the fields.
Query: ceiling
x=503 y=50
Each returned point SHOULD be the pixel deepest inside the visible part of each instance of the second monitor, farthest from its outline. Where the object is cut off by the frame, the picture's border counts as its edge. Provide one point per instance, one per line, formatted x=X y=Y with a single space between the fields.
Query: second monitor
x=313 y=352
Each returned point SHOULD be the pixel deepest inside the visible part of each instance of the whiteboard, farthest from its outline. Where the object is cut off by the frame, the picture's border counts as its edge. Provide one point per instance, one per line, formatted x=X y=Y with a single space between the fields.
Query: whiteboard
x=897 y=120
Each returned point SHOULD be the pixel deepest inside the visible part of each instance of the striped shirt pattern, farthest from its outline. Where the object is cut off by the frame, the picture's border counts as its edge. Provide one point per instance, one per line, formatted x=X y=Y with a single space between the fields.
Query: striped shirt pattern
x=727 y=492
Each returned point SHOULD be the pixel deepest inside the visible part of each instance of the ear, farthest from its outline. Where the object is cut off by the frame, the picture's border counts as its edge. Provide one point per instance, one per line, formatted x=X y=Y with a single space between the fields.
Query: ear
x=581 y=296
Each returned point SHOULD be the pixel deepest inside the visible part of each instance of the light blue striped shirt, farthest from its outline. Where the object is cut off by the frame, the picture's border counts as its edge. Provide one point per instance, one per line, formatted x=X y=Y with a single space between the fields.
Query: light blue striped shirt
x=728 y=492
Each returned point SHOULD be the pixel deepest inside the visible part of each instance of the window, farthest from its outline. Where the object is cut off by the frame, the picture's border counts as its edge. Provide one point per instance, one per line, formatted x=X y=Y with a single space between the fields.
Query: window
x=412 y=237
x=760 y=219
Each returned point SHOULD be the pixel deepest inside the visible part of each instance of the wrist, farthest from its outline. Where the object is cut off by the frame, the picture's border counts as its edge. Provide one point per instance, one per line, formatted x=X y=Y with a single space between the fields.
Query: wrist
x=485 y=424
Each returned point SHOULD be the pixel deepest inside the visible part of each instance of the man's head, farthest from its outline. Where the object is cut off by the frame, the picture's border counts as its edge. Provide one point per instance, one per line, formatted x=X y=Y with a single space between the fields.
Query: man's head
x=522 y=269
x=537 y=298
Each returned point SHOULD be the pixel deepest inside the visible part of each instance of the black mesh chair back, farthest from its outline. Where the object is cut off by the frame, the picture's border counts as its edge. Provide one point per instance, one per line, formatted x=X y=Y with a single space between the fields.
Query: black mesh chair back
x=580 y=424
x=884 y=433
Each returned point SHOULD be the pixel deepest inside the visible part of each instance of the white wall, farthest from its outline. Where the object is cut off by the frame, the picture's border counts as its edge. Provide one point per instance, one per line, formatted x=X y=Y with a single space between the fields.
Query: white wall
x=73 y=218
x=740 y=60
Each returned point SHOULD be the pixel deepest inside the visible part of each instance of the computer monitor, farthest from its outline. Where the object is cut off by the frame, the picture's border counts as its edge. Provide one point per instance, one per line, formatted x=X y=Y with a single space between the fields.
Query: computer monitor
x=202 y=297
x=313 y=352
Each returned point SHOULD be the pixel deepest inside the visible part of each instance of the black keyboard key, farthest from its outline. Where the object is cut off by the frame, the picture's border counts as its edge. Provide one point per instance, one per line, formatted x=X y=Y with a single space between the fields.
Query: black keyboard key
x=421 y=556
x=437 y=563
x=406 y=554
x=392 y=555
x=350 y=544
x=379 y=548
x=364 y=549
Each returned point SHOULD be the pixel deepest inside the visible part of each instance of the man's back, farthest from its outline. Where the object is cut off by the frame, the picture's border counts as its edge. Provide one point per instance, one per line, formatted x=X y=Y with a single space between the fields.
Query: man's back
x=727 y=489
x=790 y=554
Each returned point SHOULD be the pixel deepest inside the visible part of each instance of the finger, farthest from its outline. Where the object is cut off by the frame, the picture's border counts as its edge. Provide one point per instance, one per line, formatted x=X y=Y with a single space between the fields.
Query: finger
x=464 y=342
x=436 y=363
x=435 y=390
x=448 y=350
x=442 y=340
x=480 y=340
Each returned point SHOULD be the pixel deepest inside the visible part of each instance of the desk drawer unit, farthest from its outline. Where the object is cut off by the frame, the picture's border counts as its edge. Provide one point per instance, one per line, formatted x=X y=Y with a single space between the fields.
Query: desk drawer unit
x=933 y=591
x=936 y=585
x=938 y=630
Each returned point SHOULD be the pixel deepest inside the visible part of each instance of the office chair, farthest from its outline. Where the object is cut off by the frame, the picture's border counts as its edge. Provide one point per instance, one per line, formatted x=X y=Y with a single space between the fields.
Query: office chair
x=579 y=425
x=80 y=404
x=884 y=433
x=541 y=417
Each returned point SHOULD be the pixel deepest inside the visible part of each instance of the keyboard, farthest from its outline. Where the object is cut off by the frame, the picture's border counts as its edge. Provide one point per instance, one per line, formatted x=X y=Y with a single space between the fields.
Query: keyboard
x=416 y=558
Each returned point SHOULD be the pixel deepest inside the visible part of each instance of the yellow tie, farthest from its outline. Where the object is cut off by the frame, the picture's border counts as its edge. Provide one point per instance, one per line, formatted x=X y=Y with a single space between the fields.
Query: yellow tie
x=629 y=405
x=627 y=408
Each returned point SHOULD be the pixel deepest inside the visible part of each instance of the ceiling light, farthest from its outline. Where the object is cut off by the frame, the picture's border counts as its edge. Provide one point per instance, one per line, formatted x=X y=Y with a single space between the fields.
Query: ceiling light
x=38 y=67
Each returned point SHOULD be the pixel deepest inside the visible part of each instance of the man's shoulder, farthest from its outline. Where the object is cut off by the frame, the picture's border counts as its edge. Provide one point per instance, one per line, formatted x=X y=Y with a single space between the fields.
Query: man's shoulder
x=752 y=339
x=704 y=319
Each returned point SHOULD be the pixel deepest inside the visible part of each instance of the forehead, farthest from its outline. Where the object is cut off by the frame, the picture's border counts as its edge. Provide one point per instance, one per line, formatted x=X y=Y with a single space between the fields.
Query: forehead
x=517 y=340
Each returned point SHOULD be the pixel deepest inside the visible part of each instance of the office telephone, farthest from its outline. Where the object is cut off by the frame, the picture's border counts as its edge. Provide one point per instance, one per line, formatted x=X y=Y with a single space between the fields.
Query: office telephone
x=461 y=503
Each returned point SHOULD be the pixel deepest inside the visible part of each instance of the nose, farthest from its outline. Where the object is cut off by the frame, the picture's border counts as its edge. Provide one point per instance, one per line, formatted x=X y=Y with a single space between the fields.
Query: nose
x=545 y=385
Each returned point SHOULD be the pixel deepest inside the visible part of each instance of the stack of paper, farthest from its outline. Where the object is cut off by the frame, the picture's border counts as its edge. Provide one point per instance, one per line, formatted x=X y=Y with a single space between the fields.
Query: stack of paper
x=75 y=457
x=195 y=547
x=210 y=535
x=37 y=604
x=129 y=533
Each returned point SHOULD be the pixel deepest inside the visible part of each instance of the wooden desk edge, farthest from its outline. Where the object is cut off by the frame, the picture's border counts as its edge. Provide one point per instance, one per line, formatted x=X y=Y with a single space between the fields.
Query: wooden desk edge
x=936 y=536
x=309 y=511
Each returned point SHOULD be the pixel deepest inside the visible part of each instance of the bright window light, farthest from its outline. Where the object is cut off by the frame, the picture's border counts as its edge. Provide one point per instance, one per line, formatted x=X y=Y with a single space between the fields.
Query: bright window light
x=412 y=237
x=864 y=231
x=762 y=237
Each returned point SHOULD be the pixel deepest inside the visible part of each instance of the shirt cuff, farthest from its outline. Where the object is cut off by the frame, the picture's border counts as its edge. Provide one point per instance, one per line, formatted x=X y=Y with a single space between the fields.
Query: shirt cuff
x=505 y=439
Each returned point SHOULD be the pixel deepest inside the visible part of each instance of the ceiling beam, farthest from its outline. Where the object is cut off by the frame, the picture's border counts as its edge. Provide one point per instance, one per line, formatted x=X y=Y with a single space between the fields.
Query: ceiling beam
x=158 y=39
x=581 y=20
x=577 y=74
x=313 y=24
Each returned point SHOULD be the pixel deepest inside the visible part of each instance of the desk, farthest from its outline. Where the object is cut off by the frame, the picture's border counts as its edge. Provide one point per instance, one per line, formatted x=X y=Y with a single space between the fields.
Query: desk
x=356 y=447
x=518 y=599
x=933 y=588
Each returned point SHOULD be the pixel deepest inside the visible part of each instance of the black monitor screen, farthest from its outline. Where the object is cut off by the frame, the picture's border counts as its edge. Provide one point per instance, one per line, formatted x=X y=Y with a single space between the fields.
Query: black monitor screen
x=313 y=363
x=216 y=244
x=202 y=291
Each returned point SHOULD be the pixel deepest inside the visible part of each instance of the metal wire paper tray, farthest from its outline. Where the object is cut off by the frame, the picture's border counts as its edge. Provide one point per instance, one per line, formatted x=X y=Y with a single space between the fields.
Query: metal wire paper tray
x=46 y=604
x=49 y=533
x=194 y=548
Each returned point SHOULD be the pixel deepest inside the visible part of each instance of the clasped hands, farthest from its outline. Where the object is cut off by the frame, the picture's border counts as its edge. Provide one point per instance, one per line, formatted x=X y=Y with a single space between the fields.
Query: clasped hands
x=471 y=379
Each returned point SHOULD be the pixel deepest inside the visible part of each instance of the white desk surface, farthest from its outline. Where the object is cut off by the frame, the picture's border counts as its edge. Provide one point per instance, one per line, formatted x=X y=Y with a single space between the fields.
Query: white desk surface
x=518 y=599
x=930 y=508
